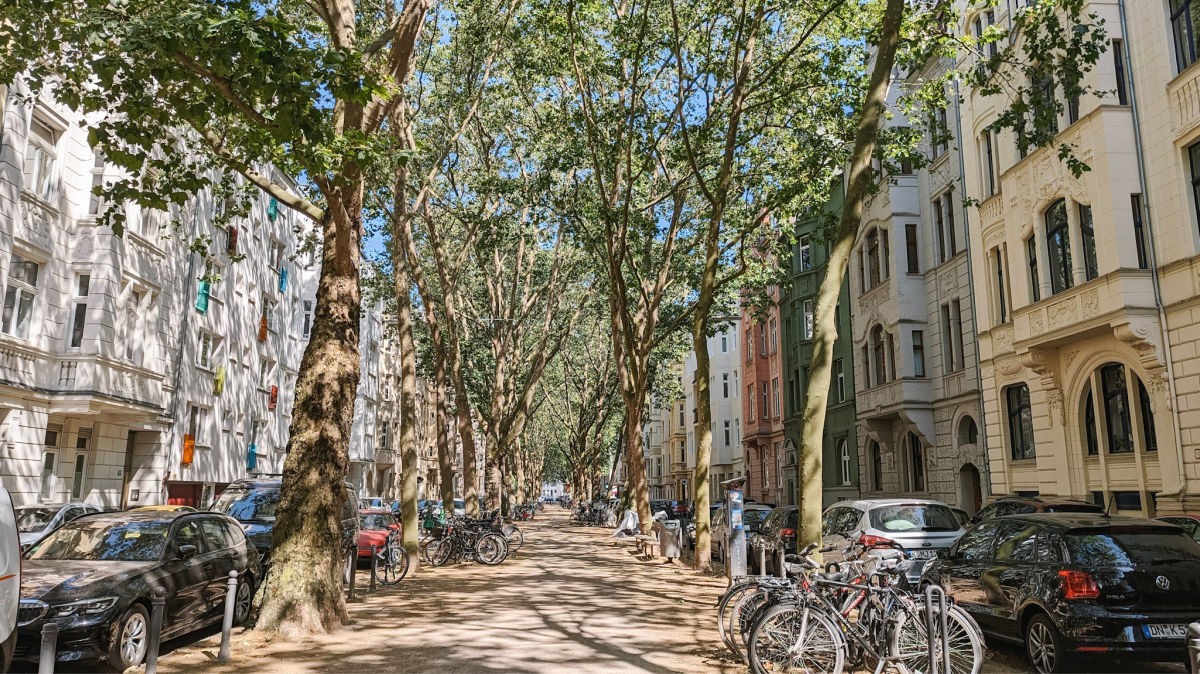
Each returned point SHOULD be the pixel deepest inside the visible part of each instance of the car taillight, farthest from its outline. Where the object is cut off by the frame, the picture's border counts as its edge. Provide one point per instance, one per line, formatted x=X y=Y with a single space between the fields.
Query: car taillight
x=787 y=533
x=870 y=541
x=1078 y=585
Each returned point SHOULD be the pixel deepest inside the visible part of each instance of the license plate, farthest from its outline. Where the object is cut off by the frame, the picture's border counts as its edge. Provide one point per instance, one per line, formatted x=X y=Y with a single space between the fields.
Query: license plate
x=922 y=554
x=1165 y=631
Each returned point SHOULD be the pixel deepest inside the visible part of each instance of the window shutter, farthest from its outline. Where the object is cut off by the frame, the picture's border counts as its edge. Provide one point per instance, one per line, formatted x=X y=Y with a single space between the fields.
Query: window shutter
x=273 y=401
x=283 y=276
x=202 y=297
x=251 y=457
x=189 y=449
x=262 y=329
x=232 y=240
x=273 y=209
x=219 y=381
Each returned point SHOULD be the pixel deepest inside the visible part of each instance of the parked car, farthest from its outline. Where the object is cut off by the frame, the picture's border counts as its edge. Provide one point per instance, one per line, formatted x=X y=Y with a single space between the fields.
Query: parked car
x=1026 y=505
x=1189 y=523
x=1072 y=584
x=920 y=527
x=95 y=576
x=166 y=508
x=10 y=579
x=252 y=502
x=753 y=515
x=659 y=506
x=35 y=522
x=777 y=531
x=374 y=525
x=372 y=502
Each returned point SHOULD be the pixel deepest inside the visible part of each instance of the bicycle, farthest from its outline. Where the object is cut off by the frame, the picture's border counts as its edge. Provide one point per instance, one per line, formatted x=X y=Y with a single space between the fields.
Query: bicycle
x=391 y=561
x=462 y=542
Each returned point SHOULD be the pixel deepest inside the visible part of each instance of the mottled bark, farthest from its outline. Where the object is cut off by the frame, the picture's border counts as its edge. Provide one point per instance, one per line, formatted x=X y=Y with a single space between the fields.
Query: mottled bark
x=408 y=412
x=445 y=449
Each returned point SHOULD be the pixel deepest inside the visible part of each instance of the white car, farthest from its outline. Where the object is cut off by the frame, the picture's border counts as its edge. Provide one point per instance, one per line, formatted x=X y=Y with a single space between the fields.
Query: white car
x=35 y=522
x=10 y=579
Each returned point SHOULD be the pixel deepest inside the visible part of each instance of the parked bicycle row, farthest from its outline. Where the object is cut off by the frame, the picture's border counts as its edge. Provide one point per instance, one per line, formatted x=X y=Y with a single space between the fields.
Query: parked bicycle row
x=488 y=540
x=595 y=514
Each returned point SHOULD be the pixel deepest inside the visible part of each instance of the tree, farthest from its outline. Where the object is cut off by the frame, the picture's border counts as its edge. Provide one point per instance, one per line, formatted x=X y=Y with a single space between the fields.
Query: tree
x=308 y=87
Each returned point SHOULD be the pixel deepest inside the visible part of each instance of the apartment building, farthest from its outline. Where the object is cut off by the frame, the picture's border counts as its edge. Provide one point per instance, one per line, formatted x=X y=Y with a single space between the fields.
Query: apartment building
x=762 y=407
x=1089 y=326
x=805 y=271
x=726 y=459
x=134 y=370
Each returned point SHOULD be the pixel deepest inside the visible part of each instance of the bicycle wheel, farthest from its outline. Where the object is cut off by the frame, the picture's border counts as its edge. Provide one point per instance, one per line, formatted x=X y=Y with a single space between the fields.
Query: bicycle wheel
x=741 y=620
x=395 y=563
x=909 y=641
x=491 y=549
x=791 y=638
x=725 y=609
x=514 y=538
x=439 y=555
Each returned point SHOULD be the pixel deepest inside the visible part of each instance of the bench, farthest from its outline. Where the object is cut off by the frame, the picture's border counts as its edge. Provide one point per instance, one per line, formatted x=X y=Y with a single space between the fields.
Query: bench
x=646 y=544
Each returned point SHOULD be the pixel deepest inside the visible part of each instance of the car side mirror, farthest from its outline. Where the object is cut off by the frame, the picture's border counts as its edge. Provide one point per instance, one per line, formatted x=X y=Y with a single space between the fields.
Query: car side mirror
x=186 y=552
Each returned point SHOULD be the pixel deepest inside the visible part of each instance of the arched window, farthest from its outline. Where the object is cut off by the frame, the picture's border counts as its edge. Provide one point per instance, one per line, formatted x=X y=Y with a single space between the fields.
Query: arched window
x=879 y=352
x=1020 y=422
x=844 y=460
x=916 y=463
x=968 y=431
x=876 y=466
x=1116 y=412
x=1058 y=247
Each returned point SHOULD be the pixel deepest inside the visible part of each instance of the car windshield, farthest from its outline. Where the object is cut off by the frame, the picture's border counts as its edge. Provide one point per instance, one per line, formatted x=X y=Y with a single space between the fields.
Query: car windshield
x=104 y=540
x=1128 y=548
x=32 y=520
x=459 y=503
x=754 y=516
x=374 y=521
x=248 y=505
x=914 y=517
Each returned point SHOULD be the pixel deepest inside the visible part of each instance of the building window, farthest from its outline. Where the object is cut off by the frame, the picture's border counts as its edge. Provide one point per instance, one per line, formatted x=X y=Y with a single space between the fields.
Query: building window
x=725 y=385
x=873 y=268
x=749 y=397
x=269 y=313
x=774 y=335
x=918 y=351
x=133 y=334
x=916 y=464
x=1035 y=283
x=1001 y=286
x=727 y=438
x=762 y=341
x=1118 y=429
x=1087 y=234
x=1118 y=52
x=805 y=253
x=41 y=155
x=1020 y=422
x=204 y=348
x=941 y=131
x=948 y=356
x=79 y=313
x=910 y=248
x=1184 y=32
x=1072 y=110
x=95 y=199
x=1045 y=85
x=775 y=395
x=77 y=477
x=749 y=345
x=866 y=366
x=988 y=160
x=766 y=402
x=724 y=344
x=958 y=335
x=876 y=466
x=808 y=320
x=198 y=425
x=844 y=460
x=951 y=237
x=306 y=319
x=840 y=377
x=47 y=488
x=1139 y=233
x=1089 y=426
x=940 y=225
x=1058 y=243
x=19 y=296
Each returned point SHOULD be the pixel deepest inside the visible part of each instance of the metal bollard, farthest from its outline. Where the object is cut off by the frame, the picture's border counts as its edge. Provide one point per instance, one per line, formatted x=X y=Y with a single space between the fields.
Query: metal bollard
x=49 y=652
x=1193 y=647
x=227 y=625
x=353 y=564
x=762 y=561
x=937 y=628
x=156 y=618
x=374 y=554
x=782 y=568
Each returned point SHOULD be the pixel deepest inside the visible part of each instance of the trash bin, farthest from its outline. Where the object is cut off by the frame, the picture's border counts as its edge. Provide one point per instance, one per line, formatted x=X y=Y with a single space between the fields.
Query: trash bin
x=670 y=538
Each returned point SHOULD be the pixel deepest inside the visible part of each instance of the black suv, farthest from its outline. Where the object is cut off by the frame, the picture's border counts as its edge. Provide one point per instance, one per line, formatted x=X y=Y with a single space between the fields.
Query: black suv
x=252 y=502
x=1027 y=505
x=1071 y=585
x=777 y=531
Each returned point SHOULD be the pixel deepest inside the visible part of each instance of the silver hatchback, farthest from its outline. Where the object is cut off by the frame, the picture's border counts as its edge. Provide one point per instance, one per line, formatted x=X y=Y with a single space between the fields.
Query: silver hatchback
x=920 y=526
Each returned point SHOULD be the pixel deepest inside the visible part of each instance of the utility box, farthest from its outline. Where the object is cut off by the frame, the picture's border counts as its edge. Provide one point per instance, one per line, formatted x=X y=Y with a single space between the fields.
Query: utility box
x=735 y=531
x=670 y=538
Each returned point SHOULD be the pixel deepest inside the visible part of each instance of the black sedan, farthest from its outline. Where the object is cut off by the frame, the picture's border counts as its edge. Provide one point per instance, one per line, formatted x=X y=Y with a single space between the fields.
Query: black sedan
x=1072 y=585
x=95 y=578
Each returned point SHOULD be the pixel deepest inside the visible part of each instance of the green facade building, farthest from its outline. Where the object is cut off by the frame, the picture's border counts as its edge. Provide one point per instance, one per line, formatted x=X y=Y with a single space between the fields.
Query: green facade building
x=805 y=269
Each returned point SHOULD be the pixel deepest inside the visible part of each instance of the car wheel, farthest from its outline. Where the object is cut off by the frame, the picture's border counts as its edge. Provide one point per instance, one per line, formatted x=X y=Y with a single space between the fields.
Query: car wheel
x=242 y=601
x=1044 y=646
x=128 y=639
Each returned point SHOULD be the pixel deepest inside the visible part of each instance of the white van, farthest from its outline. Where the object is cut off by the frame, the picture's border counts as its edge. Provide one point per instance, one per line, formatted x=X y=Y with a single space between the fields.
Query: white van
x=10 y=579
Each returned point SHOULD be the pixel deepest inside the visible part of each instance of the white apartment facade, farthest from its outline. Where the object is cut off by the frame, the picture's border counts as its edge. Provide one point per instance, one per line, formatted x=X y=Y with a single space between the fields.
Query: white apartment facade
x=725 y=400
x=127 y=376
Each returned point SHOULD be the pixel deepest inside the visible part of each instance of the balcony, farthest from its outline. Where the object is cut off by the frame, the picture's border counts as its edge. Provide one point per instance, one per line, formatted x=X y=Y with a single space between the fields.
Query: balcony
x=908 y=399
x=1109 y=302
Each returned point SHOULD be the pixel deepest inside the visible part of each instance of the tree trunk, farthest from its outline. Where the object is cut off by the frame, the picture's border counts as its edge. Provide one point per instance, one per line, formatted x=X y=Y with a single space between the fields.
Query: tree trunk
x=466 y=433
x=700 y=477
x=304 y=590
x=442 y=420
x=635 y=464
x=408 y=412
x=858 y=187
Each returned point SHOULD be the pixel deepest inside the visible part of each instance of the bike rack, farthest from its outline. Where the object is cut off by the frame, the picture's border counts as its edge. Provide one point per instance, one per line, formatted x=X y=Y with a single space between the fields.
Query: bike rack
x=936 y=628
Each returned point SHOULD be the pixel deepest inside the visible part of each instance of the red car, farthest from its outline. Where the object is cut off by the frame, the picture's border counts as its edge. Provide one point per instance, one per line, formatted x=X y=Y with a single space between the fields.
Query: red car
x=374 y=525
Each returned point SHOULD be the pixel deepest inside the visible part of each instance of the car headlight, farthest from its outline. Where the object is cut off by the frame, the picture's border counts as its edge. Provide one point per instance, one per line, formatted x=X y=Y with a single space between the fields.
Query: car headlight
x=79 y=609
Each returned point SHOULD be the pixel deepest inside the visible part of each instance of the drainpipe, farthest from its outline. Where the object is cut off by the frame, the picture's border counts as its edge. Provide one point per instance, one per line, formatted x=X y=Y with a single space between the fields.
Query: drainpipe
x=962 y=176
x=1151 y=251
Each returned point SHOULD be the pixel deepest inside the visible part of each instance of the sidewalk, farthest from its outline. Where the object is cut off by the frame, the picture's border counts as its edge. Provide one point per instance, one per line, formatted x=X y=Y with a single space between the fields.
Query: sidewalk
x=572 y=600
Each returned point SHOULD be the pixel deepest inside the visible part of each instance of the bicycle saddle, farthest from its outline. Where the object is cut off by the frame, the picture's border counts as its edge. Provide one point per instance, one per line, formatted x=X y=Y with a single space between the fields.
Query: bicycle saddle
x=834 y=577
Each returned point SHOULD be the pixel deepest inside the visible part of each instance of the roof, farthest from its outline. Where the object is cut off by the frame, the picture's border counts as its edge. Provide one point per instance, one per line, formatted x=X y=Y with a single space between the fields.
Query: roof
x=143 y=515
x=1044 y=499
x=1067 y=521
x=868 y=503
x=374 y=511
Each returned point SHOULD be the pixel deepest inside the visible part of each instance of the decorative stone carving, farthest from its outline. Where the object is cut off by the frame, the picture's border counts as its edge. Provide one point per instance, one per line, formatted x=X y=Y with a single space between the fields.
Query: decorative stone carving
x=1036 y=324
x=1008 y=366
x=1142 y=333
x=1054 y=401
x=1069 y=358
x=994 y=237
x=1002 y=339
x=1160 y=387
x=1091 y=302
x=1064 y=313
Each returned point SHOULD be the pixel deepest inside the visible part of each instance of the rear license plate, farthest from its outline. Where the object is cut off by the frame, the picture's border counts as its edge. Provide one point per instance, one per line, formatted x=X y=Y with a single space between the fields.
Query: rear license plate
x=1164 y=631
x=922 y=554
